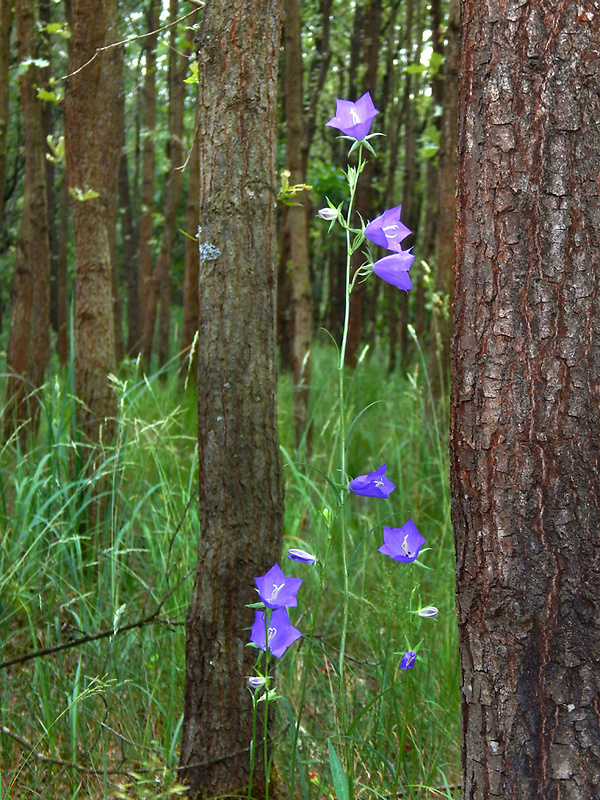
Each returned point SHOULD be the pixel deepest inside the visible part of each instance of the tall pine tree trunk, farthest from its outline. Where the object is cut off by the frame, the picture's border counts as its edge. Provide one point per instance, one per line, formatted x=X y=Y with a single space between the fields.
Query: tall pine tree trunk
x=302 y=321
x=29 y=345
x=525 y=437
x=241 y=496
x=6 y=15
x=92 y=127
x=440 y=331
x=146 y=217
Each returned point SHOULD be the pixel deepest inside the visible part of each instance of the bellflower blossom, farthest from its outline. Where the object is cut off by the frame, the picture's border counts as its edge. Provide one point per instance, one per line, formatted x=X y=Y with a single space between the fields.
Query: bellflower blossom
x=394 y=269
x=279 y=635
x=276 y=590
x=408 y=660
x=374 y=484
x=402 y=544
x=295 y=554
x=386 y=230
x=354 y=119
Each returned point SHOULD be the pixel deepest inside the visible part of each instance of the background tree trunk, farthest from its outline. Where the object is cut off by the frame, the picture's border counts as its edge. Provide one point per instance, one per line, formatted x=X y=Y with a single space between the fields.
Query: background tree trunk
x=525 y=436
x=295 y=217
x=440 y=331
x=6 y=15
x=29 y=345
x=146 y=216
x=241 y=496
x=178 y=63
x=92 y=127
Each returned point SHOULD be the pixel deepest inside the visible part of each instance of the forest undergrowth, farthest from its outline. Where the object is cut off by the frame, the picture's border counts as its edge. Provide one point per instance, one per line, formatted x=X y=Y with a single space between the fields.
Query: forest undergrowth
x=97 y=557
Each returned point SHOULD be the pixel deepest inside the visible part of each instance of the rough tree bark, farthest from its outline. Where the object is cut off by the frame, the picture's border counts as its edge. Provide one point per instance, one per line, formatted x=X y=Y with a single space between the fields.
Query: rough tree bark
x=92 y=128
x=29 y=344
x=241 y=496
x=525 y=436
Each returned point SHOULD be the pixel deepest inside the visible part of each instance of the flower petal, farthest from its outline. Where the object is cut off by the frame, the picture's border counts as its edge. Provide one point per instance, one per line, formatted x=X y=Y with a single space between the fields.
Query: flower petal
x=402 y=544
x=394 y=269
x=276 y=589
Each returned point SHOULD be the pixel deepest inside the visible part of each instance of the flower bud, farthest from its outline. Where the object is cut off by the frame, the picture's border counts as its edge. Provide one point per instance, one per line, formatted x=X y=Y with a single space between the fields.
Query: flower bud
x=296 y=554
x=429 y=612
x=255 y=682
x=328 y=214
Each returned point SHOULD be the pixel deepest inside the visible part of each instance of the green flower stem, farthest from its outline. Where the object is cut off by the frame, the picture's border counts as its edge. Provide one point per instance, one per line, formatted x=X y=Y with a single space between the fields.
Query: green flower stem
x=352 y=175
x=307 y=665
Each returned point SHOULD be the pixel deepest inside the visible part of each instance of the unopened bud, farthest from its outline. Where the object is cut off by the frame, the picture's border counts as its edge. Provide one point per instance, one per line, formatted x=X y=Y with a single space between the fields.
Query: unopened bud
x=328 y=213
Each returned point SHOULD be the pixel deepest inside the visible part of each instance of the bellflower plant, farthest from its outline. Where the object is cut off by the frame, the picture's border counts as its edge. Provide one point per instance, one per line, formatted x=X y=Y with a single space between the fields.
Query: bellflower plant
x=402 y=544
x=375 y=484
x=276 y=590
x=276 y=634
x=394 y=269
x=387 y=230
x=354 y=119
x=272 y=631
x=408 y=660
x=295 y=554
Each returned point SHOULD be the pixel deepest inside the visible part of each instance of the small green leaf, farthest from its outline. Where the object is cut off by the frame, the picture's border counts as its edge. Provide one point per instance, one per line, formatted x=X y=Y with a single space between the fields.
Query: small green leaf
x=48 y=97
x=193 y=76
x=82 y=196
x=340 y=780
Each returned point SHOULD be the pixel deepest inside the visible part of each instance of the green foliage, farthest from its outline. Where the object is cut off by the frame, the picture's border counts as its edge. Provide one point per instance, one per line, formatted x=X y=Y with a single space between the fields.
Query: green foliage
x=71 y=565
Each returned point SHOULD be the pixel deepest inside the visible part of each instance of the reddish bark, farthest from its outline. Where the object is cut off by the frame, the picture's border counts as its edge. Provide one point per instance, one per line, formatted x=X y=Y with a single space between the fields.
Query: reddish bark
x=525 y=435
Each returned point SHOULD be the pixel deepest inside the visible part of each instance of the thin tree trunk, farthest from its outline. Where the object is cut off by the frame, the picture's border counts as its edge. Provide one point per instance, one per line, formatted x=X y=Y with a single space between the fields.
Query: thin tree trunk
x=146 y=285
x=525 y=436
x=302 y=321
x=129 y=248
x=29 y=344
x=6 y=15
x=178 y=64
x=93 y=128
x=439 y=337
x=241 y=496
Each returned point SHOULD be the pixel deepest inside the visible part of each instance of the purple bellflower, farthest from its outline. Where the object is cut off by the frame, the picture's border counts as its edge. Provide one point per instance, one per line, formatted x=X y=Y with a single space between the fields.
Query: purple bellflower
x=279 y=635
x=354 y=119
x=295 y=554
x=276 y=590
x=408 y=660
x=402 y=544
x=387 y=230
x=394 y=269
x=375 y=484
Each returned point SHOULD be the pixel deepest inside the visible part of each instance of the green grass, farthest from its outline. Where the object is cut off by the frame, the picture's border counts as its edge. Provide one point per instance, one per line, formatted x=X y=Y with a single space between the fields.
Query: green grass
x=96 y=712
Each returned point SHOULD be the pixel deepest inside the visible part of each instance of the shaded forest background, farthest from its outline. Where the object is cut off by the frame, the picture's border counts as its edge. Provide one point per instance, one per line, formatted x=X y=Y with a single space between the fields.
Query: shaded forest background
x=99 y=183
x=404 y=53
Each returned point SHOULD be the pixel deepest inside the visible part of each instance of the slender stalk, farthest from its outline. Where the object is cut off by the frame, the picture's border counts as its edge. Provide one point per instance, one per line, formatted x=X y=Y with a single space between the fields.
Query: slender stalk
x=353 y=176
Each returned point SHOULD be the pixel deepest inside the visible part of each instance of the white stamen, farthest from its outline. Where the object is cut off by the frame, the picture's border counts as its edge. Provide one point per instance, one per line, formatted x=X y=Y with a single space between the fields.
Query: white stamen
x=275 y=592
x=355 y=117
x=271 y=632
